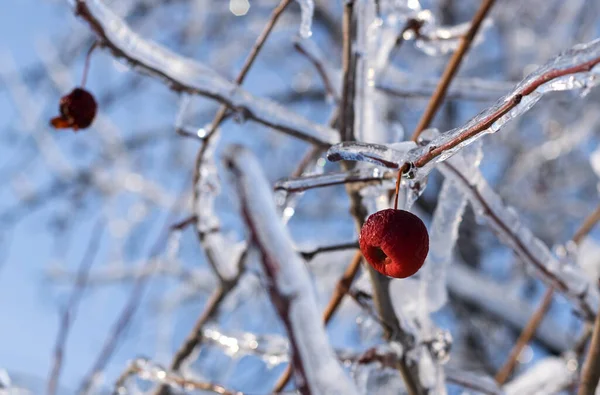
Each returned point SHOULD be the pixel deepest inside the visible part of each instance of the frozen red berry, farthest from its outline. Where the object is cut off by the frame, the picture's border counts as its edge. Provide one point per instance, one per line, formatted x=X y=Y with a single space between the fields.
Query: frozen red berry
x=394 y=242
x=77 y=110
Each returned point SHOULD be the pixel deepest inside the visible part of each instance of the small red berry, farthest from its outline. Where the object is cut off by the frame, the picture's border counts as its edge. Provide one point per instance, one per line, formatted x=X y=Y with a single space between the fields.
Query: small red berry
x=77 y=110
x=394 y=242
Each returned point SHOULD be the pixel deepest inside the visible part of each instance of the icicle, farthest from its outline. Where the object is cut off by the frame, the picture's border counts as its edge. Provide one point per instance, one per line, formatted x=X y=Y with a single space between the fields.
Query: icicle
x=307 y=9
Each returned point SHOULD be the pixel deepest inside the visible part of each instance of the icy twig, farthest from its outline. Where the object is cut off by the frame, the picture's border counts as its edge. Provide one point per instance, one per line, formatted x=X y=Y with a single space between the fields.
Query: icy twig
x=572 y=69
x=532 y=325
x=185 y=75
x=289 y=286
x=147 y=370
x=70 y=310
x=452 y=67
x=360 y=176
x=503 y=221
x=342 y=287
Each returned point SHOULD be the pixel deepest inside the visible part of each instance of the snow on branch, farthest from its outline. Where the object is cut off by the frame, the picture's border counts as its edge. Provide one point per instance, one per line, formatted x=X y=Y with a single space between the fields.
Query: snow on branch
x=186 y=75
x=316 y=368
x=569 y=279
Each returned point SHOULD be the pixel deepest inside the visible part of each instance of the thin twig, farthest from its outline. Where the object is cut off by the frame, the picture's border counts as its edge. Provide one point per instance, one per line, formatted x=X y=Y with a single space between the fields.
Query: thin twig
x=586 y=227
x=529 y=330
x=452 y=67
x=525 y=337
x=130 y=308
x=71 y=307
x=173 y=379
x=590 y=374
x=308 y=255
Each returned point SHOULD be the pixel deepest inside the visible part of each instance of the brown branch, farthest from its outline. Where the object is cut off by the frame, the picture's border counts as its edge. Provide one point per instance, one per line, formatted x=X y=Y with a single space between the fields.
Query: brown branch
x=308 y=255
x=70 y=309
x=525 y=336
x=529 y=331
x=452 y=67
x=590 y=374
x=586 y=227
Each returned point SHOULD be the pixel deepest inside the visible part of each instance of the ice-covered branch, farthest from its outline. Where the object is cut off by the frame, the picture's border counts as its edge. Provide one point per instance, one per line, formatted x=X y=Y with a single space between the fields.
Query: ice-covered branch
x=300 y=184
x=148 y=370
x=185 y=75
x=289 y=286
x=568 y=279
x=504 y=221
x=574 y=69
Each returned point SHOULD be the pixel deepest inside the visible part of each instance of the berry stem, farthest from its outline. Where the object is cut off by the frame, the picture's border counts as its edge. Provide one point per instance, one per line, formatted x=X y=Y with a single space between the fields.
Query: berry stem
x=86 y=66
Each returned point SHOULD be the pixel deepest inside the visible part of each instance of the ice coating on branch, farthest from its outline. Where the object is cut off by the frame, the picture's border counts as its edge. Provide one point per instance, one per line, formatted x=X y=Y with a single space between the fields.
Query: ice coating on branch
x=443 y=234
x=436 y=40
x=185 y=74
x=289 y=285
x=505 y=223
x=223 y=250
x=574 y=69
x=548 y=376
x=307 y=10
x=272 y=349
x=376 y=154
x=304 y=183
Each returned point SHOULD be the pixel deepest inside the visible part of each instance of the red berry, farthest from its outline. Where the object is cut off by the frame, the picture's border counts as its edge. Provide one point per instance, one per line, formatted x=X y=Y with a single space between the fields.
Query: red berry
x=394 y=242
x=77 y=110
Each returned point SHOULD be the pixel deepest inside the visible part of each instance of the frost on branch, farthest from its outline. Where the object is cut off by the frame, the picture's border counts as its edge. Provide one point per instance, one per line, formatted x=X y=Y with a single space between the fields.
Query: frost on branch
x=315 y=366
x=186 y=75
